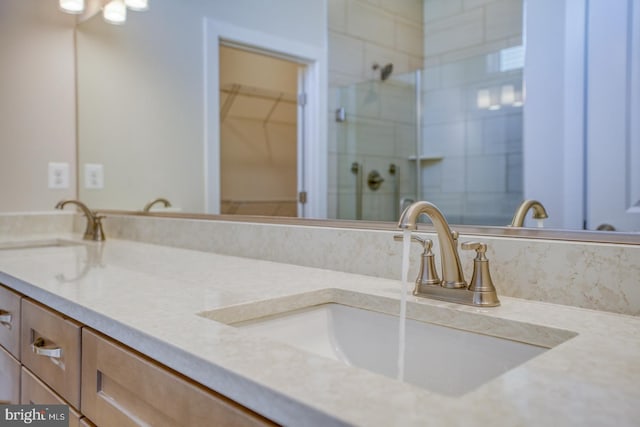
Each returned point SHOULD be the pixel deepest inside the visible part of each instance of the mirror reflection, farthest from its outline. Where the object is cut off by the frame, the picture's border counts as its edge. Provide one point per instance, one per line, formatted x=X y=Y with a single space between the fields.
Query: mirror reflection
x=258 y=134
x=425 y=100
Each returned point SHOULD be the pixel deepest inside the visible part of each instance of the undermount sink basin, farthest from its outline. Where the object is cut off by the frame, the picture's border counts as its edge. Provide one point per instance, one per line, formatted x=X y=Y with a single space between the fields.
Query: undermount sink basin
x=37 y=244
x=439 y=358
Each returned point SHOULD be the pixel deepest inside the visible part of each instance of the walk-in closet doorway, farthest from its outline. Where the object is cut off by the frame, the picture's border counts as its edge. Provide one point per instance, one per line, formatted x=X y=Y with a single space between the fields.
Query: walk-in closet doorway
x=259 y=105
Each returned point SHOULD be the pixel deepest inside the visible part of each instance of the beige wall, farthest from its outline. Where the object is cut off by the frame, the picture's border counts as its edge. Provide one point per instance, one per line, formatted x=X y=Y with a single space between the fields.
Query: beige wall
x=141 y=94
x=145 y=103
x=140 y=104
x=37 y=103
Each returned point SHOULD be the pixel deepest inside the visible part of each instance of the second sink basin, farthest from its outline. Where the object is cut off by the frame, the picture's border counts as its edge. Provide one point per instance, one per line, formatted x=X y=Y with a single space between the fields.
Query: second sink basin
x=442 y=359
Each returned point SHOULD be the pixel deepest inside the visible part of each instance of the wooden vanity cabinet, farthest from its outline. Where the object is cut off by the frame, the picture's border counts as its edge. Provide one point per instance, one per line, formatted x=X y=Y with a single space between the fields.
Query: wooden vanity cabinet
x=50 y=348
x=10 y=321
x=121 y=387
x=9 y=346
x=84 y=422
x=35 y=392
x=47 y=358
x=9 y=379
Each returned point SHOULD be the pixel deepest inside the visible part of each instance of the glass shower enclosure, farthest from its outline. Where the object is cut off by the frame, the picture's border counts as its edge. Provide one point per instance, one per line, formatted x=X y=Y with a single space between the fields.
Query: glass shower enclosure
x=376 y=133
x=450 y=134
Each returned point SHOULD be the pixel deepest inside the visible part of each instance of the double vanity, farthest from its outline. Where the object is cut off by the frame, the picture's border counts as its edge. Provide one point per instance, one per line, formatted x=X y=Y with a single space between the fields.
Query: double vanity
x=283 y=338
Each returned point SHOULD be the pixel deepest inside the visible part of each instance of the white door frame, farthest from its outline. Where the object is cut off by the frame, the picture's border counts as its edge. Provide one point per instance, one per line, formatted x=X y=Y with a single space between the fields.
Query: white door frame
x=580 y=141
x=613 y=160
x=314 y=170
x=553 y=134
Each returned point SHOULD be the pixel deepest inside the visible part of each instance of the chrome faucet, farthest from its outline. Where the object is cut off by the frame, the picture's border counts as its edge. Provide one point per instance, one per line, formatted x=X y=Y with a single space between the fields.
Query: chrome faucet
x=148 y=206
x=452 y=287
x=539 y=212
x=93 y=231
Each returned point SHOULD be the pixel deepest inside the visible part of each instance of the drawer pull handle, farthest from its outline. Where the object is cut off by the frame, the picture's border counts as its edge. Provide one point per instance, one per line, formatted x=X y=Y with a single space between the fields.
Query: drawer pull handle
x=5 y=318
x=40 y=349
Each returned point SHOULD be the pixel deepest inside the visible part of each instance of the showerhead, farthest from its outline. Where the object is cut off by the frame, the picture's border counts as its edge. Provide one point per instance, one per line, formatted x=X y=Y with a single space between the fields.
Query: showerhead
x=385 y=71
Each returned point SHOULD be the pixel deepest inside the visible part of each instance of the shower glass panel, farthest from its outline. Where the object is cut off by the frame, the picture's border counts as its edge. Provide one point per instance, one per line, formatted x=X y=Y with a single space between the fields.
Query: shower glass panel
x=457 y=144
x=374 y=157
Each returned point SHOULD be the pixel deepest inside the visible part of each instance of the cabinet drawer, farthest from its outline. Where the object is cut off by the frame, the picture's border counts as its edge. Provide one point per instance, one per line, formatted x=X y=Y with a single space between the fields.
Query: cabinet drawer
x=84 y=422
x=10 y=321
x=121 y=388
x=9 y=379
x=35 y=392
x=50 y=348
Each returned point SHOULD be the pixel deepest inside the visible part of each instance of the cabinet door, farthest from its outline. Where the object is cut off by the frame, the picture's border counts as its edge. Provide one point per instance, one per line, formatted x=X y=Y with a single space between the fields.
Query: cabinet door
x=35 y=392
x=9 y=379
x=51 y=349
x=10 y=321
x=122 y=388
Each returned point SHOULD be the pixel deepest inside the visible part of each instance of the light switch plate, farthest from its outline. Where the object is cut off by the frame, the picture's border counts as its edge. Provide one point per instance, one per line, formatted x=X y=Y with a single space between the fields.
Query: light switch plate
x=58 y=175
x=93 y=176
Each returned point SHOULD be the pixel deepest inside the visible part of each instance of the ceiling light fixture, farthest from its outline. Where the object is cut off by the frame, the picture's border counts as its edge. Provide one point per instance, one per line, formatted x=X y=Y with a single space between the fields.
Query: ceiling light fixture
x=137 y=5
x=115 y=12
x=72 y=6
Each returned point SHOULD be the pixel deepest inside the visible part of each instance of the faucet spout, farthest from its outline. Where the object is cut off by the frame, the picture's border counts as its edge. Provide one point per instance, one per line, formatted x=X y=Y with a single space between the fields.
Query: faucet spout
x=94 y=225
x=452 y=275
x=539 y=212
x=162 y=200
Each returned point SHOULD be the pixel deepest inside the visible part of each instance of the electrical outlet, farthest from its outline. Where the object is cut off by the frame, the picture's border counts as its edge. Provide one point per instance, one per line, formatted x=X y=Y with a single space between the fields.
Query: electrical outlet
x=58 y=175
x=93 y=176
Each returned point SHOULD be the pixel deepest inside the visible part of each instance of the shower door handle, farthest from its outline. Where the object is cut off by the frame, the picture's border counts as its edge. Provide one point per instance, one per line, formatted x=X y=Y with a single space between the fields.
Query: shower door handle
x=395 y=172
x=356 y=168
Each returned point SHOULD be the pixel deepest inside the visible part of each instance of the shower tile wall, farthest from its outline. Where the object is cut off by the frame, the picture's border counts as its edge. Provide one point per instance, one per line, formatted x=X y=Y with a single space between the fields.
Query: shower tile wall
x=479 y=177
x=363 y=32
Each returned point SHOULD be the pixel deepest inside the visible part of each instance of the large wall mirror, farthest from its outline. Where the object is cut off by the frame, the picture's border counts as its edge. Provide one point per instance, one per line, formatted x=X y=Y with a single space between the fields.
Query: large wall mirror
x=447 y=101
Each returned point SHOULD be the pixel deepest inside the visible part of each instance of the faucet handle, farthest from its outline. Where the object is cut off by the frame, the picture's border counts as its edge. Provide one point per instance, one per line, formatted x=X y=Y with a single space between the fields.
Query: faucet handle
x=98 y=232
x=480 y=248
x=428 y=275
x=481 y=283
x=416 y=239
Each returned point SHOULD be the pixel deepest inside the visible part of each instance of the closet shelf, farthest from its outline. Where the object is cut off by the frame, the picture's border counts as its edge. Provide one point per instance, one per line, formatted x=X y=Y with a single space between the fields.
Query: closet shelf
x=234 y=90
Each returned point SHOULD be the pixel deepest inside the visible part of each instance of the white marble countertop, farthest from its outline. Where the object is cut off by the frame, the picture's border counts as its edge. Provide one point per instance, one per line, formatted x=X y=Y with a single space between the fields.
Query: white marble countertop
x=148 y=297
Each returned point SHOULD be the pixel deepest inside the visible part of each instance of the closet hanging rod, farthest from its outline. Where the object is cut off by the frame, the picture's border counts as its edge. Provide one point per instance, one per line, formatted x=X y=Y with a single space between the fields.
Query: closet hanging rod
x=255 y=92
x=233 y=90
